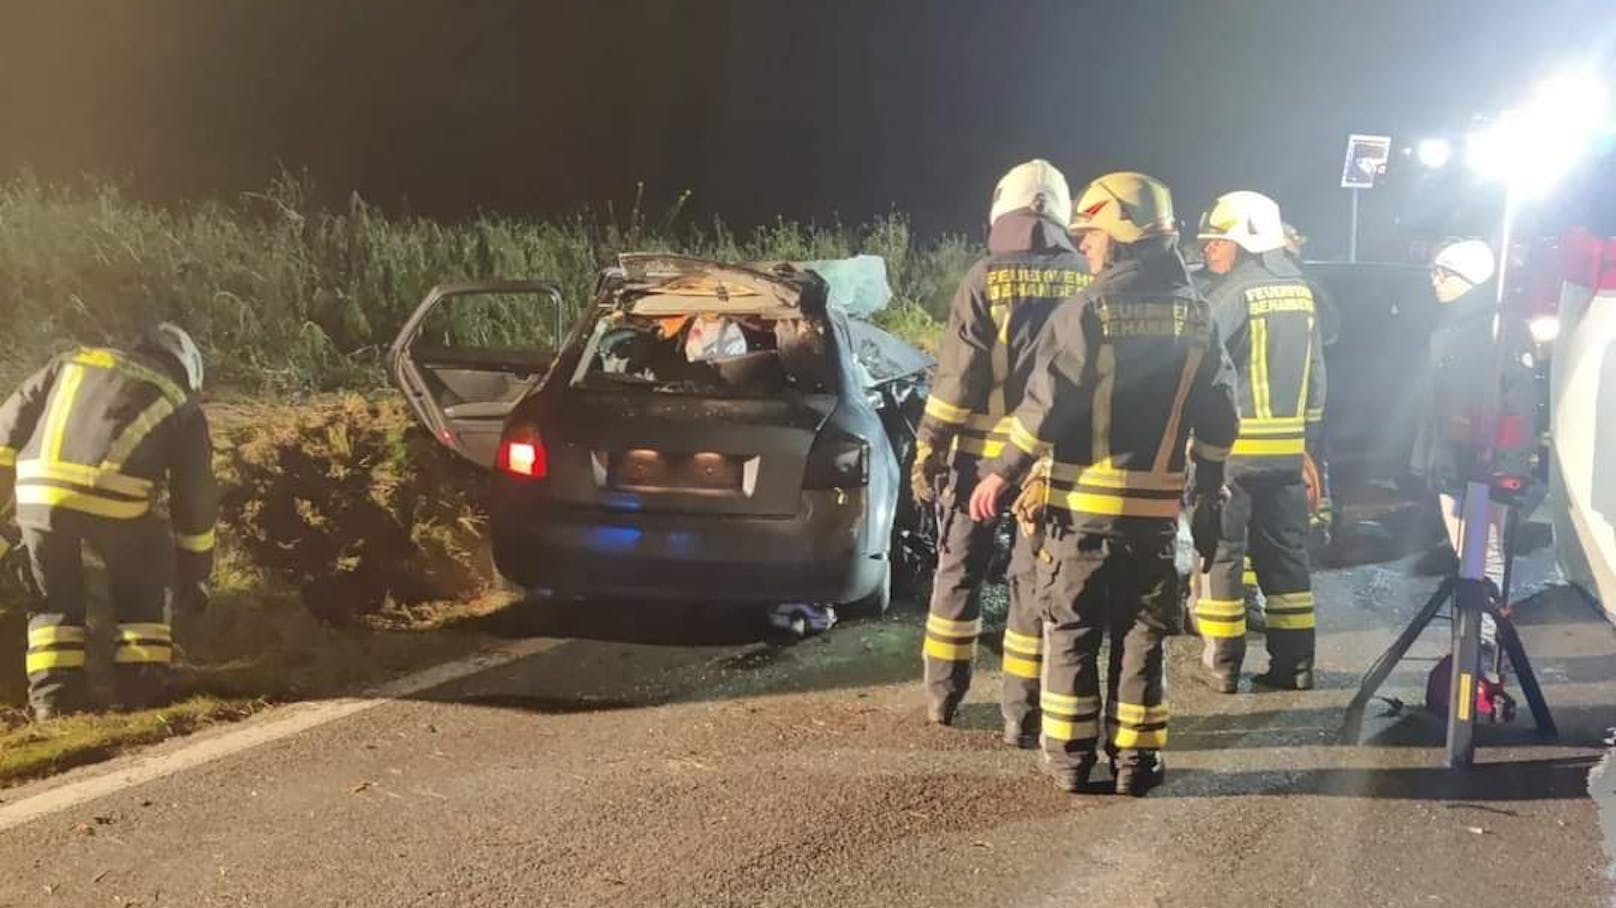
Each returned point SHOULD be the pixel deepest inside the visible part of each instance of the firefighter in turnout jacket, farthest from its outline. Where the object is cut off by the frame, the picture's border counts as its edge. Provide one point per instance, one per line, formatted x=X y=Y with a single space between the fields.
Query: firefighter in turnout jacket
x=88 y=440
x=982 y=368
x=1267 y=315
x=1125 y=374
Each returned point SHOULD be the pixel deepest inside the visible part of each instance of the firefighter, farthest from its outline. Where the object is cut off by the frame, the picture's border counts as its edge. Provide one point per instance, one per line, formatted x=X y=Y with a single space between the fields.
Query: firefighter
x=982 y=368
x=1268 y=318
x=1125 y=374
x=89 y=439
x=1459 y=363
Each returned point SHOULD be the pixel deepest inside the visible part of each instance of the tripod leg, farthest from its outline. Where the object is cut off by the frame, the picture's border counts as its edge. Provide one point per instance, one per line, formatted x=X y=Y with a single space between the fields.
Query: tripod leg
x=1352 y=722
x=1511 y=527
x=1510 y=641
x=1470 y=601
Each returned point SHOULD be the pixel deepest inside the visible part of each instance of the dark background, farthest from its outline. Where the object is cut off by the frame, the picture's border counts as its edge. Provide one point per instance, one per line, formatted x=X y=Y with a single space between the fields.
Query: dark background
x=819 y=111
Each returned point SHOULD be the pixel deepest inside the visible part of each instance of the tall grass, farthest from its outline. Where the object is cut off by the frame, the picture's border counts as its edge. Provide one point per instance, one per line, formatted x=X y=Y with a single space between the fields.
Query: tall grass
x=286 y=297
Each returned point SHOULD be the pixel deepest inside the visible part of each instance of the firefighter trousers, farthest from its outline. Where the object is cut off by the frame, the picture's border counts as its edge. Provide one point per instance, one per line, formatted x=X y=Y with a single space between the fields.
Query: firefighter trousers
x=1023 y=663
x=954 y=619
x=136 y=554
x=1266 y=515
x=1096 y=589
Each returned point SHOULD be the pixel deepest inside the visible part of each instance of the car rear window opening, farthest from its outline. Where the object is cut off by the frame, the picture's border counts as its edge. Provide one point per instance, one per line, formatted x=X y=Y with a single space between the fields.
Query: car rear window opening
x=726 y=355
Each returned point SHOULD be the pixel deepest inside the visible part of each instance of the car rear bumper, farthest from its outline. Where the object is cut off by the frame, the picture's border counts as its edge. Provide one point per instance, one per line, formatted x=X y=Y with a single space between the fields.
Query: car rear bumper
x=818 y=555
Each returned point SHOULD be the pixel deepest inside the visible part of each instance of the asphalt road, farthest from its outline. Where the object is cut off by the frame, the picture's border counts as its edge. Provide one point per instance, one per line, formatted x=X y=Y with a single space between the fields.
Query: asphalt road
x=670 y=758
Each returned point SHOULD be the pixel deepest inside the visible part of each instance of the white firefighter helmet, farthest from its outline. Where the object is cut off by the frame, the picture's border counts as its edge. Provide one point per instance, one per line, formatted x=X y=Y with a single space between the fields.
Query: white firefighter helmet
x=172 y=340
x=1460 y=268
x=1035 y=184
x=1126 y=206
x=1247 y=219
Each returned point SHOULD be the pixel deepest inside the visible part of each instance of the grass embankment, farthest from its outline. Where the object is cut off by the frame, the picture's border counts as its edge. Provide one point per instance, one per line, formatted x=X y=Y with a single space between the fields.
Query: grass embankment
x=287 y=297
x=351 y=548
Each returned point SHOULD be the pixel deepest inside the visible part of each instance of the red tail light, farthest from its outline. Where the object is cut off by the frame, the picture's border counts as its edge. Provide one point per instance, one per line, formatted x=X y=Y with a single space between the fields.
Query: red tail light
x=523 y=454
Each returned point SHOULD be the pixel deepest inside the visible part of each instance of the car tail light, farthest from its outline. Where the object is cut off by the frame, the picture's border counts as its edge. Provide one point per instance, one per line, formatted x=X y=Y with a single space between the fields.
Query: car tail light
x=522 y=453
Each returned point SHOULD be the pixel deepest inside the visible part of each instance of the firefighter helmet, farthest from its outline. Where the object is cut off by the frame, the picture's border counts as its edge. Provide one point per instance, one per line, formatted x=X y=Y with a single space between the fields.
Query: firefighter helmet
x=1035 y=184
x=1248 y=219
x=1126 y=206
x=171 y=340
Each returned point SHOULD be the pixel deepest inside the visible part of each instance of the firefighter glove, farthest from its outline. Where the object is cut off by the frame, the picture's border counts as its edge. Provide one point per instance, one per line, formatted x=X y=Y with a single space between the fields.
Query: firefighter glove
x=1028 y=507
x=930 y=463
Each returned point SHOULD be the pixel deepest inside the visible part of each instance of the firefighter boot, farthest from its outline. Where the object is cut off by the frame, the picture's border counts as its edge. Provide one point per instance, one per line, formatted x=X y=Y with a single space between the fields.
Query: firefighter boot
x=1146 y=771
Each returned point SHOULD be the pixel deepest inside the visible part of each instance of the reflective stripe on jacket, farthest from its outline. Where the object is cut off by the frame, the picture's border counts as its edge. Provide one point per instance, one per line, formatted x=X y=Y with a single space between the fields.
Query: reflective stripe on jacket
x=96 y=432
x=993 y=326
x=1268 y=317
x=1126 y=373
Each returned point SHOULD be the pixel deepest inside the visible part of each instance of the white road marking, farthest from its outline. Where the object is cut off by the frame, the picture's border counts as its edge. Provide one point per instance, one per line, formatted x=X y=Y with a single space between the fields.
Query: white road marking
x=280 y=723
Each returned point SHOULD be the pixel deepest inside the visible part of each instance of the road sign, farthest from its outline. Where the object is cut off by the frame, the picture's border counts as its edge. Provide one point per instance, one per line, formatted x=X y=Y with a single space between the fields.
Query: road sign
x=1366 y=161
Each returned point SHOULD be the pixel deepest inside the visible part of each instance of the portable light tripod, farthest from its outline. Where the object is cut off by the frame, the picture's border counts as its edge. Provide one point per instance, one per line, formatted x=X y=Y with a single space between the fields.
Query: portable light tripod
x=1470 y=594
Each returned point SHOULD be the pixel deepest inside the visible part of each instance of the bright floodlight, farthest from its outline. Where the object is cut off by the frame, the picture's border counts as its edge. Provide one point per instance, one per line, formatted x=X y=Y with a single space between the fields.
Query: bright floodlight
x=1434 y=153
x=1534 y=146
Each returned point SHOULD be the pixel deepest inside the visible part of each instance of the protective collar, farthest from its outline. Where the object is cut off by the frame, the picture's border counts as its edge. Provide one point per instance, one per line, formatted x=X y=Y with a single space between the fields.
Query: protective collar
x=1024 y=230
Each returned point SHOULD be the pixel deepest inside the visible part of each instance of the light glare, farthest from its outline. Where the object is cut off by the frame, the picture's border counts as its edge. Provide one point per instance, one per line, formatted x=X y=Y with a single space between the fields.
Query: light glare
x=1534 y=146
x=1434 y=153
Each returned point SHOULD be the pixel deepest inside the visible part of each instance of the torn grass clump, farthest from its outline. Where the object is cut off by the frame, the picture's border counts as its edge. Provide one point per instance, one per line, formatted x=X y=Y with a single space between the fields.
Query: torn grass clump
x=353 y=506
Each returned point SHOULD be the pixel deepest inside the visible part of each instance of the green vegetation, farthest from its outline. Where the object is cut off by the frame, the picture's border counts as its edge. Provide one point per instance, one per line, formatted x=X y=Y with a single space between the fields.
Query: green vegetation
x=287 y=297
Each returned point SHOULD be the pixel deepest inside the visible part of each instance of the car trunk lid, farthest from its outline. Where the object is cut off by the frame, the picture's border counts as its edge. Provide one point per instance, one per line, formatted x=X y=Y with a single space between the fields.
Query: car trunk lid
x=648 y=451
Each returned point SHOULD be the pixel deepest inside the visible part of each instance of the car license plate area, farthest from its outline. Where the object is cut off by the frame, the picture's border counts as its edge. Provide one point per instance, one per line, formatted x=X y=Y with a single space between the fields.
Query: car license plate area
x=700 y=473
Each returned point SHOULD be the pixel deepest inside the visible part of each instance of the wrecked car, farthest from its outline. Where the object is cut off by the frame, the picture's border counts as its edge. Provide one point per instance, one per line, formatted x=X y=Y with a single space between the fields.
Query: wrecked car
x=702 y=431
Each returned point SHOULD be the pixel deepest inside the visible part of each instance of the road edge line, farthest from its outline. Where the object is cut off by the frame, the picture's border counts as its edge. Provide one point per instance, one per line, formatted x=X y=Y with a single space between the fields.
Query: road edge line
x=275 y=725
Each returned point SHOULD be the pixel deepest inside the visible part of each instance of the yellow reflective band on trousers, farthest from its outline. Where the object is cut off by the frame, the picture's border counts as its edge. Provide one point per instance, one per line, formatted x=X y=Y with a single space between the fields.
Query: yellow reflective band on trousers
x=1290 y=611
x=144 y=643
x=53 y=647
x=149 y=631
x=1069 y=718
x=1023 y=655
x=49 y=634
x=143 y=654
x=198 y=543
x=943 y=411
x=1221 y=618
x=1136 y=727
x=951 y=641
x=8 y=457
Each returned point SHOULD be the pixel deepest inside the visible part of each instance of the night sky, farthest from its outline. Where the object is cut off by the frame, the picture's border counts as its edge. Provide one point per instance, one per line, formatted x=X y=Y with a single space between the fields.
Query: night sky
x=821 y=111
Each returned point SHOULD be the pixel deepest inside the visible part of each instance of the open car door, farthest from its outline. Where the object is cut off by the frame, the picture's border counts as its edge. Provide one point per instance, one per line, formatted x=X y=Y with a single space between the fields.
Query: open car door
x=470 y=353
